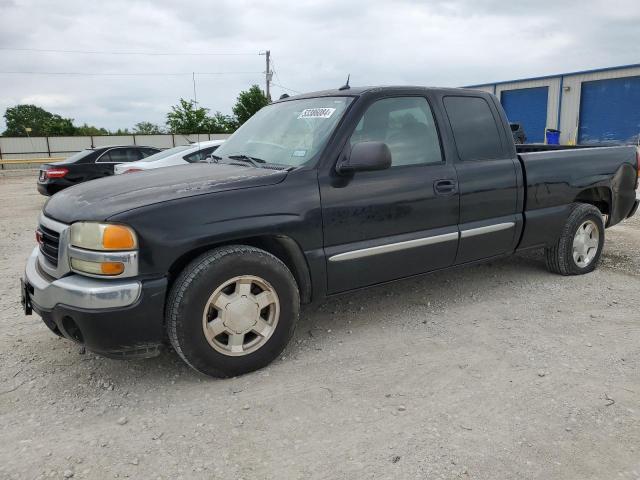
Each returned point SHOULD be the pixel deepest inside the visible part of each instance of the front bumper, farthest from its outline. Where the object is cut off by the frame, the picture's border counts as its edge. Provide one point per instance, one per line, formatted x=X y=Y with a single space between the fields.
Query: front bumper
x=115 y=318
x=77 y=290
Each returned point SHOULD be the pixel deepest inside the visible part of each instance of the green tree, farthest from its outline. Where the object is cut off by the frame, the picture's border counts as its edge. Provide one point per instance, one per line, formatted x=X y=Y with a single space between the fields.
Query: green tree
x=41 y=122
x=220 y=123
x=121 y=131
x=248 y=103
x=186 y=117
x=90 y=130
x=147 y=128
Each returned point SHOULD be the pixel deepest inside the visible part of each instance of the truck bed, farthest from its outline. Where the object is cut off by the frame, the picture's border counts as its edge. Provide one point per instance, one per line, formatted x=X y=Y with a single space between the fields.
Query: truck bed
x=557 y=175
x=542 y=147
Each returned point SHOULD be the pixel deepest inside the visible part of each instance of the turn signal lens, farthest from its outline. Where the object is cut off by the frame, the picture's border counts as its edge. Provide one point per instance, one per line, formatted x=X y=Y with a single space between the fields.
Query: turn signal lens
x=117 y=237
x=112 y=268
x=102 y=236
x=97 y=268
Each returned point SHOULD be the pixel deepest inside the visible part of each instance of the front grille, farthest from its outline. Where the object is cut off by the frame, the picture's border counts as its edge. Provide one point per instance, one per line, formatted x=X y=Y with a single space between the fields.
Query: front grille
x=50 y=245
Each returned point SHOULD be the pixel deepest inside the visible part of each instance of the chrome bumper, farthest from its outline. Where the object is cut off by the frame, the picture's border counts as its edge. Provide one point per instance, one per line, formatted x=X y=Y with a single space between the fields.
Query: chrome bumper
x=77 y=290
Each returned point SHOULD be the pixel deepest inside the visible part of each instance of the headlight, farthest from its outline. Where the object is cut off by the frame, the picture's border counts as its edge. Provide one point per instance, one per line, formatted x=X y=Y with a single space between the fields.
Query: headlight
x=103 y=236
x=103 y=249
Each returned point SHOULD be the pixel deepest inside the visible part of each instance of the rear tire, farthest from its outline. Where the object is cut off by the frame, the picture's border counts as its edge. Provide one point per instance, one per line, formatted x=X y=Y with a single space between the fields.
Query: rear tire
x=232 y=310
x=579 y=247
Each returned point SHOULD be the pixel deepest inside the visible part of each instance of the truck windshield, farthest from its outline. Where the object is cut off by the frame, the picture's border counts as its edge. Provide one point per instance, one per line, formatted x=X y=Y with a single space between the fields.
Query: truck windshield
x=287 y=133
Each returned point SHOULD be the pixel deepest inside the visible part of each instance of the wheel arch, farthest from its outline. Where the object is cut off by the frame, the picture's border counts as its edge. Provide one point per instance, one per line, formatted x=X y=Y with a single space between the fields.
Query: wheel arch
x=285 y=248
x=599 y=197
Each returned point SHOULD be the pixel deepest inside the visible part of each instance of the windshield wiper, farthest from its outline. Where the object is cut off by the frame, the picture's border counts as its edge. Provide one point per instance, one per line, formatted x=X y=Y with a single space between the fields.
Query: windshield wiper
x=246 y=158
x=253 y=161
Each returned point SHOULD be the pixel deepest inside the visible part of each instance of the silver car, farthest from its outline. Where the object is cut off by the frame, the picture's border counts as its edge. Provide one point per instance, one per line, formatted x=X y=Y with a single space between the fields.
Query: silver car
x=180 y=155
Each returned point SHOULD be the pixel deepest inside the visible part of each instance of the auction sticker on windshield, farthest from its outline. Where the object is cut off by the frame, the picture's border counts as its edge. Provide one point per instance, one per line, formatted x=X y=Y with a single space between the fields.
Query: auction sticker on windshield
x=316 y=113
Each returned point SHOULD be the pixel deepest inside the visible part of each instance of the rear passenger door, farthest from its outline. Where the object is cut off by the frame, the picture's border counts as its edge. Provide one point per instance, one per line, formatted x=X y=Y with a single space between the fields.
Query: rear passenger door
x=489 y=178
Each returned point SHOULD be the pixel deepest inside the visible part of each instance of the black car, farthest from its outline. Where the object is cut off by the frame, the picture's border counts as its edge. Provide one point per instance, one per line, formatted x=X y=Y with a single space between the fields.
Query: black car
x=88 y=165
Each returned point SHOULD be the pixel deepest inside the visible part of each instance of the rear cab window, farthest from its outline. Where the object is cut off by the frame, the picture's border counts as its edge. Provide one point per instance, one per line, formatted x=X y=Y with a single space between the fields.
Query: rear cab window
x=475 y=128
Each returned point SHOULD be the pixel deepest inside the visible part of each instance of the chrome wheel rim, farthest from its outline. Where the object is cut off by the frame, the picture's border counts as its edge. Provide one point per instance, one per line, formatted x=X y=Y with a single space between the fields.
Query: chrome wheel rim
x=585 y=243
x=241 y=315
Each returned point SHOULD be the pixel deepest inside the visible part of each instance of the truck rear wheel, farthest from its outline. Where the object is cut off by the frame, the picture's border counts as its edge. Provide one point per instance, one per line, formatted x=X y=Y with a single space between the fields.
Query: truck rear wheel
x=579 y=247
x=232 y=310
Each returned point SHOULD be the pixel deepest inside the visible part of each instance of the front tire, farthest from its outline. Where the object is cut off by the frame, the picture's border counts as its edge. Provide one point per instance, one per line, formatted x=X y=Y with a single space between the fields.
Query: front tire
x=232 y=310
x=579 y=248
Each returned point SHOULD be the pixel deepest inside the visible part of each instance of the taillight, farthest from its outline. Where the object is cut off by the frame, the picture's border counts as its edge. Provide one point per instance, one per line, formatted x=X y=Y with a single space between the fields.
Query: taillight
x=132 y=170
x=56 y=172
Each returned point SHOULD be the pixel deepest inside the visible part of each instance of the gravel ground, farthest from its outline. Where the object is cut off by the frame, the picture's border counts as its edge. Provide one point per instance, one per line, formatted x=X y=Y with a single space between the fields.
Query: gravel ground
x=496 y=371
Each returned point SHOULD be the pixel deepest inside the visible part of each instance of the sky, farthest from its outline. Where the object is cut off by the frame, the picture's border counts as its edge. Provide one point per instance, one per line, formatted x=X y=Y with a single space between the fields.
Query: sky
x=314 y=45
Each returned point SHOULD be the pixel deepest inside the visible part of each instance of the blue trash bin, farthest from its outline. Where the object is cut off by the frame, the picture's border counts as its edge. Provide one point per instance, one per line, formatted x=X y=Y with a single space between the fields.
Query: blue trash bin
x=553 y=136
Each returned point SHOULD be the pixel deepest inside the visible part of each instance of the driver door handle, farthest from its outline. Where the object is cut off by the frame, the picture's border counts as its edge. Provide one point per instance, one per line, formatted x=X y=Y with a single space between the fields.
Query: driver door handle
x=445 y=186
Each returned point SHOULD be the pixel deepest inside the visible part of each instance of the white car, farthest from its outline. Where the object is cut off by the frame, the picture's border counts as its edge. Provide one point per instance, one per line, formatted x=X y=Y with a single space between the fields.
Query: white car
x=181 y=155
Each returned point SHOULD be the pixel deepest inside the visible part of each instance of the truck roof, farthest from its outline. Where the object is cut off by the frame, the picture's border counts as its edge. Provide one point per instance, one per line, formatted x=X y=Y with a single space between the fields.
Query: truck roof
x=356 y=91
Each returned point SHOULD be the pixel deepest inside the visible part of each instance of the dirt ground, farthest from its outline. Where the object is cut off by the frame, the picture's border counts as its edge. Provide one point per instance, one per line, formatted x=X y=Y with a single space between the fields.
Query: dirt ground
x=492 y=372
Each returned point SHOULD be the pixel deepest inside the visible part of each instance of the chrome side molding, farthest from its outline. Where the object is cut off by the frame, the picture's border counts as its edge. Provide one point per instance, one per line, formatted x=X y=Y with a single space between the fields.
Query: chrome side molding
x=420 y=242
x=393 y=247
x=472 y=232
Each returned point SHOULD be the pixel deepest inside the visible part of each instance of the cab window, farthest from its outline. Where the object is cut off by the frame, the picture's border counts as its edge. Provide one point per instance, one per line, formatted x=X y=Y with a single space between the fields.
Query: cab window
x=406 y=125
x=474 y=128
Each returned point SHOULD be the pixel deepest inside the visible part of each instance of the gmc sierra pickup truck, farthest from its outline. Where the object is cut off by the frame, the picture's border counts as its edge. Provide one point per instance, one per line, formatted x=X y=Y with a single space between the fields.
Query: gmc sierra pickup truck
x=316 y=195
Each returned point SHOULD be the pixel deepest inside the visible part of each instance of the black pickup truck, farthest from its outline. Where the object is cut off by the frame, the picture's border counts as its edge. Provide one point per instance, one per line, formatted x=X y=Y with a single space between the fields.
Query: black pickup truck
x=316 y=195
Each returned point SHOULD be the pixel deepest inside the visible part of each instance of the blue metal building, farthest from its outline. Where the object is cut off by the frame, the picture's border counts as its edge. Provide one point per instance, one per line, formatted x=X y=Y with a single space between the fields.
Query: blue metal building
x=592 y=106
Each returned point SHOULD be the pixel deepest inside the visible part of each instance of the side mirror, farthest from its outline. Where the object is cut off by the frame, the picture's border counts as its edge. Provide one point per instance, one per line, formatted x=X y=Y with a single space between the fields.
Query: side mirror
x=366 y=156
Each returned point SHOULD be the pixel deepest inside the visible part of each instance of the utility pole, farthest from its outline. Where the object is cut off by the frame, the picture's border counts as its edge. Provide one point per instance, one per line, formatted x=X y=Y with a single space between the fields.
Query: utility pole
x=268 y=74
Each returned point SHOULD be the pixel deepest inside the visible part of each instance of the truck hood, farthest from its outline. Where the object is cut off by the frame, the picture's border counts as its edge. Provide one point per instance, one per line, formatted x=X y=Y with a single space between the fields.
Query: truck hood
x=100 y=199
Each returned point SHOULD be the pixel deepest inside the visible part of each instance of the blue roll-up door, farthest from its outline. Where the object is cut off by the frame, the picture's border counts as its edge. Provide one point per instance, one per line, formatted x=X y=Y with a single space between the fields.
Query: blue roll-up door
x=610 y=111
x=528 y=107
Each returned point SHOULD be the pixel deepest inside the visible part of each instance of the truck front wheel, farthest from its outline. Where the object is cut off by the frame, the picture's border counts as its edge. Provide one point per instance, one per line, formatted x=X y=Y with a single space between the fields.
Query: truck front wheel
x=232 y=310
x=579 y=247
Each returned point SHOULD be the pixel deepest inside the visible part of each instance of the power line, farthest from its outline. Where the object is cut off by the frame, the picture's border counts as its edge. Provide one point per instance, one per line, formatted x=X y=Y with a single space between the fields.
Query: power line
x=285 y=88
x=128 y=74
x=275 y=72
x=107 y=52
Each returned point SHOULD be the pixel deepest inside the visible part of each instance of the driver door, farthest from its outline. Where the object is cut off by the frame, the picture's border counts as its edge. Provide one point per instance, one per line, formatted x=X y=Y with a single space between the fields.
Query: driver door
x=388 y=224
